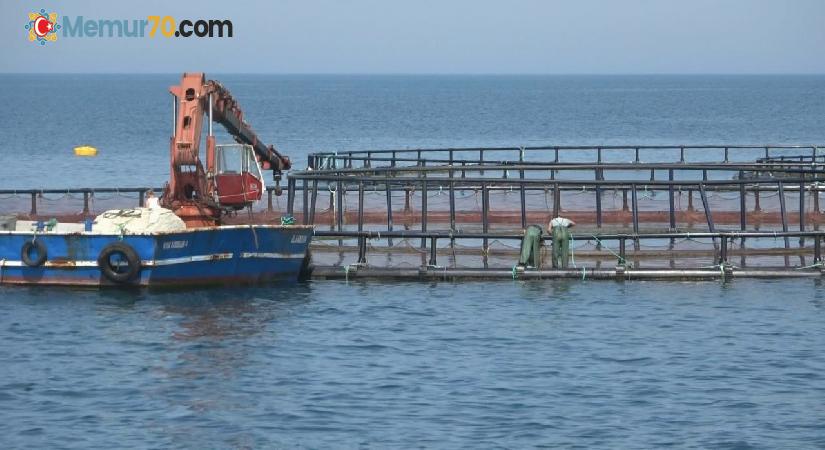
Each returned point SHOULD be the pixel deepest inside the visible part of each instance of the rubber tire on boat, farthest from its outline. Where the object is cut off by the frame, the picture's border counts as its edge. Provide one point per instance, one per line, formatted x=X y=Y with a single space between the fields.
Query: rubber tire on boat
x=42 y=254
x=132 y=261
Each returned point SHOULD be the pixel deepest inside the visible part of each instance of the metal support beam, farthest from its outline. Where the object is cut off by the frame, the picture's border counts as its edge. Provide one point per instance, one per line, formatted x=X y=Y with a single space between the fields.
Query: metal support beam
x=723 y=251
x=671 y=201
x=485 y=206
x=783 y=211
x=523 y=203
x=423 y=210
x=452 y=205
x=313 y=201
x=706 y=207
x=362 y=250
x=290 y=205
x=622 y=251
x=389 y=210
x=305 y=203
x=85 y=203
x=556 y=200
x=635 y=209
x=742 y=200
x=802 y=207
x=339 y=213
x=756 y=206
x=360 y=206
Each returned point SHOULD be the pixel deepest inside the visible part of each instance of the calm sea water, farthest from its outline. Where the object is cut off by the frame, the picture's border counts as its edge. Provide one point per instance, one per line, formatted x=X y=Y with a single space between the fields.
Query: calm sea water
x=474 y=365
x=129 y=117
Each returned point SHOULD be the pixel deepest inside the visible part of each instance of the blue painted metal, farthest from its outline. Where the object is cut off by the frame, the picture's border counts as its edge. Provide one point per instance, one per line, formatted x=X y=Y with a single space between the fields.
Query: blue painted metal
x=200 y=256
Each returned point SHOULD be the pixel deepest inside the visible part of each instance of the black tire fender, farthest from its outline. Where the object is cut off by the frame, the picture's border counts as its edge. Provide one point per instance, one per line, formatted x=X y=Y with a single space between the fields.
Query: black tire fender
x=114 y=273
x=26 y=250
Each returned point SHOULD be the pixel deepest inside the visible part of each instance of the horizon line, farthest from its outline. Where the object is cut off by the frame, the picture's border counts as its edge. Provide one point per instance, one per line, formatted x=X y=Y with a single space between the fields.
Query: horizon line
x=437 y=73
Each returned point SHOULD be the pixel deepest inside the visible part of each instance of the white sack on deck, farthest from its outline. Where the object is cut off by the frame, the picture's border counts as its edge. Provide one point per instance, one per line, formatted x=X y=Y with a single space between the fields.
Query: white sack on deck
x=137 y=220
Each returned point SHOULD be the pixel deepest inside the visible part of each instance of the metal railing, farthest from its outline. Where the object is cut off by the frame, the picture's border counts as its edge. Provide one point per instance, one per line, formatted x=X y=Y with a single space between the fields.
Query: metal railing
x=720 y=252
x=691 y=177
x=553 y=153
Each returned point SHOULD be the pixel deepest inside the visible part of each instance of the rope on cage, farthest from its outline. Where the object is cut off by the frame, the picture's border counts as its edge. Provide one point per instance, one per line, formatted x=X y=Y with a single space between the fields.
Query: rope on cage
x=546 y=200
x=618 y=257
x=811 y=266
x=496 y=241
x=413 y=248
x=46 y=198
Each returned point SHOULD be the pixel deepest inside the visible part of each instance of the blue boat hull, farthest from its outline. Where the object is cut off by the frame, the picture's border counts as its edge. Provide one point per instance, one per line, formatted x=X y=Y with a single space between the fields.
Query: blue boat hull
x=200 y=256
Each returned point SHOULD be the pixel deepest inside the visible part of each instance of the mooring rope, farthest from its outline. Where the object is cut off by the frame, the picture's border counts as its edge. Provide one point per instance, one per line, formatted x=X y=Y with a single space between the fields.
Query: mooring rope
x=619 y=257
x=648 y=194
x=812 y=266
x=44 y=198
x=121 y=229
x=347 y=269
x=572 y=253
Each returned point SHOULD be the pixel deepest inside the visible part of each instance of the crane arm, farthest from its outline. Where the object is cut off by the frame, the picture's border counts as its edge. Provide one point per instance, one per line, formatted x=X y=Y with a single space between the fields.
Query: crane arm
x=227 y=113
x=192 y=191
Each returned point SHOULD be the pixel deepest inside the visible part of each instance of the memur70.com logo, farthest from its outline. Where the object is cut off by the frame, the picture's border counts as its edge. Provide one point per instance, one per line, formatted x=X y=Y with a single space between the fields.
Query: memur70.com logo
x=43 y=27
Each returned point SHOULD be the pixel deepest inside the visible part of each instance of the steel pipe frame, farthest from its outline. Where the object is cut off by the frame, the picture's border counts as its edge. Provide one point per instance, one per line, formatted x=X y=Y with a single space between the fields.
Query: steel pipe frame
x=564 y=148
x=505 y=184
x=412 y=234
x=579 y=166
x=721 y=260
x=620 y=274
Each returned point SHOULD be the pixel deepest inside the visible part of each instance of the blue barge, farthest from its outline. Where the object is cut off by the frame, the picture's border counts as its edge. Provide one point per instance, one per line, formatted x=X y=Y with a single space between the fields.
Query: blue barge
x=196 y=256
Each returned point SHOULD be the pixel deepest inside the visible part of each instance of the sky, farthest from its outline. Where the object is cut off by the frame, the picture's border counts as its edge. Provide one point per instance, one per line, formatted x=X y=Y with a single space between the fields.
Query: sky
x=436 y=37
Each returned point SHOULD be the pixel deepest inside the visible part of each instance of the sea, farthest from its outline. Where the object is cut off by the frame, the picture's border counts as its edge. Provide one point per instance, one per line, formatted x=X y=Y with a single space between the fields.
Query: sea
x=337 y=364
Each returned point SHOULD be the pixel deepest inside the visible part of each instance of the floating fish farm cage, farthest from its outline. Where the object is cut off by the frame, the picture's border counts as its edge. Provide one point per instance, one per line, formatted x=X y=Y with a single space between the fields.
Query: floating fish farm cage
x=685 y=212
x=641 y=211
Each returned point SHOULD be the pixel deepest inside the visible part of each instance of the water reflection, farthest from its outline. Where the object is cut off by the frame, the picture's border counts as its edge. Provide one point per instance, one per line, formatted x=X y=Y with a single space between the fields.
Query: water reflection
x=217 y=339
x=229 y=313
x=225 y=319
x=547 y=290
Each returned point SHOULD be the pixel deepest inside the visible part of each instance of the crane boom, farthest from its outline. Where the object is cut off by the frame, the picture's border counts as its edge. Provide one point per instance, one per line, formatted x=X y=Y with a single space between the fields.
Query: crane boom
x=193 y=190
x=227 y=112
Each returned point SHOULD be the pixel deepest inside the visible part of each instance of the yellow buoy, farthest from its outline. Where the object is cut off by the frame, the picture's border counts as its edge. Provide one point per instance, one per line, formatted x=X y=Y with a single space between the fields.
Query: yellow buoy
x=85 y=150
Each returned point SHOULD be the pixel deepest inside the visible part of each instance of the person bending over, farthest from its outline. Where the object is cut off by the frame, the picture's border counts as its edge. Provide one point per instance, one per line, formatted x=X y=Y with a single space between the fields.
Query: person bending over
x=560 y=231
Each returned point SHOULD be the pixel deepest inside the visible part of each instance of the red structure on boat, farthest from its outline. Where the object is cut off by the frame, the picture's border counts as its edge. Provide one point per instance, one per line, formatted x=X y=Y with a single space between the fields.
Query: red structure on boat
x=232 y=178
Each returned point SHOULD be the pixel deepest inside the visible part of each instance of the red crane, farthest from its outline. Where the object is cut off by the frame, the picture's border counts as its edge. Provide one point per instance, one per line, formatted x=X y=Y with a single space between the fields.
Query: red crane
x=232 y=178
